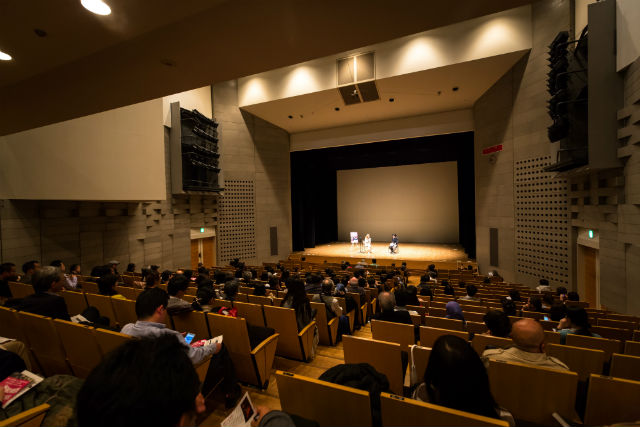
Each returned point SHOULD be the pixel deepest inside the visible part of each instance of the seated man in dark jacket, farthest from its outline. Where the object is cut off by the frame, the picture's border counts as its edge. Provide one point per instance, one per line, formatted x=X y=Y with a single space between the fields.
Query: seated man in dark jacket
x=388 y=313
x=46 y=282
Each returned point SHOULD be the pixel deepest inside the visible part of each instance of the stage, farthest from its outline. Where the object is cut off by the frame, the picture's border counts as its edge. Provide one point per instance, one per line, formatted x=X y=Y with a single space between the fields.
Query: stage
x=416 y=255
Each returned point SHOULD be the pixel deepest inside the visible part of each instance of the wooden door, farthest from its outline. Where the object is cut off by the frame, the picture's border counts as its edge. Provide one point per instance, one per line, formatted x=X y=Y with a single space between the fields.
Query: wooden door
x=195 y=253
x=590 y=275
x=209 y=252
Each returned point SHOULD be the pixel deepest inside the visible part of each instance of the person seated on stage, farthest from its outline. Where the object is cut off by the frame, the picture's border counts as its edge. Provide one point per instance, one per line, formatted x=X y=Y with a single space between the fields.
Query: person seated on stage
x=387 y=310
x=393 y=246
x=367 y=243
x=472 y=290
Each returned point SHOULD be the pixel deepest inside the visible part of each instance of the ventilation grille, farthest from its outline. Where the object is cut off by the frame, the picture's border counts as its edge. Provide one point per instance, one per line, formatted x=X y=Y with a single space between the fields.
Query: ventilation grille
x=237 y=221
x=542 y=223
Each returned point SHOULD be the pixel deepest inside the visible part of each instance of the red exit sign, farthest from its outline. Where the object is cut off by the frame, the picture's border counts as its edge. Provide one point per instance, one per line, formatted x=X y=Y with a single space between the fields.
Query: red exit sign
x=493 y=149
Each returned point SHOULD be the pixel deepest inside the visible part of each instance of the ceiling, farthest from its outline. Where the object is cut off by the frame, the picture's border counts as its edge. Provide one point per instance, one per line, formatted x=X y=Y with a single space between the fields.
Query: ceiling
x=413 y=94
x=149 y=49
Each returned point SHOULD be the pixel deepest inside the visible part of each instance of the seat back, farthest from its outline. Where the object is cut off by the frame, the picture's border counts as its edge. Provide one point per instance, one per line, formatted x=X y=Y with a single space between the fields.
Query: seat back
x=20 y=290
x=481 y=342
x=612 y=401
x=436 y=311
x=400 y=411
x=429 y=335
x=283 y=320
x=533 y=394
x=109 y=340
x=76 y=302
x=10 y=326
x=385 y=357
x=80 y=345
x=625 y=366
x=30 y=418
x=90 y=287
x=326 y=332
x=253 y=313
x=192 y=321
x=583 y=361
x=255 y=299
x=45 y=343
x=444 y=323
x=614 y=323
x=474 y=316
x=607 y=345
x=393 y=332
x=125 y=310
x=127 y=292
x=419 y=356
x=104 y=306
x=613 y=333
x=632 y=348
x=476 y=327
x=551 y=337
x=326 y=397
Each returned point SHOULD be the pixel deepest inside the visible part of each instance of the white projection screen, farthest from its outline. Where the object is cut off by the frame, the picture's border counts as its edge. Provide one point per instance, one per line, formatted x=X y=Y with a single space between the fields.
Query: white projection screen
x=418 y=202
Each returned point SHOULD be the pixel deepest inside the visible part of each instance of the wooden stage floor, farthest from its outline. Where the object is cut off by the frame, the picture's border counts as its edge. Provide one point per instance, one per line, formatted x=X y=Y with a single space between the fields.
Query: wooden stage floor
x=416 y=255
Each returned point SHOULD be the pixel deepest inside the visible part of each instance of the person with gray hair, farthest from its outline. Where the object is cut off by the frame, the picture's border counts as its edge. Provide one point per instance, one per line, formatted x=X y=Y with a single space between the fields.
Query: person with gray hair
x=388 y=313
x=47 y=283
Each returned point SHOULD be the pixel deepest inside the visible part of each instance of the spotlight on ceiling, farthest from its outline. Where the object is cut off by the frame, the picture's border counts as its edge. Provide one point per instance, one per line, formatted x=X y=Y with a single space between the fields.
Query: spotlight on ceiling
x=5 y=56
x=96 y=6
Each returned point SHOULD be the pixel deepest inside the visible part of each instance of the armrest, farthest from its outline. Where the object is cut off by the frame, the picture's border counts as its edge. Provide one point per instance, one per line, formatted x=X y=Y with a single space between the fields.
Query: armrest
x=332 y=321
x=307 y=328
x=264 y=343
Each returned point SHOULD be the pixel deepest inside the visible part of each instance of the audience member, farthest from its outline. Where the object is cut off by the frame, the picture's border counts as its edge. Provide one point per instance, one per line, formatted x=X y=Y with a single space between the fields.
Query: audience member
x=514 y=294
x=448 y=289
x=28 y=268
x=151 y=280
x=454 y=311
x=151 y=310
x=533 y=304
x=573 y=296
x=456 y=378
x=72 y=277
x=575 y=322
x=529 y=342
x=113 y=264
x=230 y=290
x=147 y=382
x=557 y=312
x=58 y=263
x=356 y=286
x=547 y=302
x=46 y=282
x=332 y=307
x=388 y=313
x=412 y=295
x=107 y=286
x=297 y=299
x=131 y=268
x=314 y=284
x=508 y=307
x=7 y=274
x=498 y=323
x=176 y=289
x=543 y=286
x=205 y=299
x=472 y=290
x=561 y=292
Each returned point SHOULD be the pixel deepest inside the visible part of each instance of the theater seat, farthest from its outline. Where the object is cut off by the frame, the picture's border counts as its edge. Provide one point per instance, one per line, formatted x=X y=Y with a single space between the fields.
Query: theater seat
x=612 y=401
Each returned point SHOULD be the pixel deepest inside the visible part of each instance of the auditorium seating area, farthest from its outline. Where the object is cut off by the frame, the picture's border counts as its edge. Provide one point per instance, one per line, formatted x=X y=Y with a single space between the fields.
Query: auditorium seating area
x=601 y=387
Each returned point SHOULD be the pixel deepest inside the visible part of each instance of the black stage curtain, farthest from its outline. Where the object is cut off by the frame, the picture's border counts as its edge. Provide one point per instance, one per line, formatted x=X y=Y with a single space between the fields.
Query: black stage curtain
x=314 y=188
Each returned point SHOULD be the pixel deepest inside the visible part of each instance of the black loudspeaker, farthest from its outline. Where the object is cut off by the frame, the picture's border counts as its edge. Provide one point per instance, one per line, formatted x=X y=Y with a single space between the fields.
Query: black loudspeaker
x=200 y=156
x=493 y=247
x=567 y=85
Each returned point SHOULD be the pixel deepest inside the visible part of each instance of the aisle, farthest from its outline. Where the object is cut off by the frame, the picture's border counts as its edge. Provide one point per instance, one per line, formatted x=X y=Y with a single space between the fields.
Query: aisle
x=326 y=357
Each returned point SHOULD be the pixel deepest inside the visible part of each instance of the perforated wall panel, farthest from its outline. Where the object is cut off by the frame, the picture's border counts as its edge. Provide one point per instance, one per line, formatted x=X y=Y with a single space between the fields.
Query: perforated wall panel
x=236 y=222
x=542 y=223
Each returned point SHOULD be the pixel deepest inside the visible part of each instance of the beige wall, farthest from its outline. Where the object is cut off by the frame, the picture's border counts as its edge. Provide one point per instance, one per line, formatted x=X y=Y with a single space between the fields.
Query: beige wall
x=424 y=206
x=114 y=155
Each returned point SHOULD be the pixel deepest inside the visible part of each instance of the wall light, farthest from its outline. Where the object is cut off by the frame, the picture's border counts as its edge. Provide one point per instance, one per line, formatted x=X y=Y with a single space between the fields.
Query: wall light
x=96 y=6
x=5 y=56
x=590 y=234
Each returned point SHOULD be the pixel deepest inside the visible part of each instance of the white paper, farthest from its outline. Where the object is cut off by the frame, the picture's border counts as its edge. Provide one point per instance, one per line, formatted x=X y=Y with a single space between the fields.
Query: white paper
x=4 y=340
x=243 y=413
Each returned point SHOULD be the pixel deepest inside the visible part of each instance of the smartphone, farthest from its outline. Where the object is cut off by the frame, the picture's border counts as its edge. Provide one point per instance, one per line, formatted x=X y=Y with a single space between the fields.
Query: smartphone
x=189 y=337
x=546 y=317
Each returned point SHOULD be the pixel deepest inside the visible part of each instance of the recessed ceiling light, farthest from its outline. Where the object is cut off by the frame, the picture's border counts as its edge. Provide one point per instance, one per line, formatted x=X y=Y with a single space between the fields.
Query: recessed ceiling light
x=96 y=6
x=5 y=56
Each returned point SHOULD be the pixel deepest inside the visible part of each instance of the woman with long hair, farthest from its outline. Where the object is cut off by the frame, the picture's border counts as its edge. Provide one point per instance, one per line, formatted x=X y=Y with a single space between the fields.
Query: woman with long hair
x=575 y=322
x=456 y=378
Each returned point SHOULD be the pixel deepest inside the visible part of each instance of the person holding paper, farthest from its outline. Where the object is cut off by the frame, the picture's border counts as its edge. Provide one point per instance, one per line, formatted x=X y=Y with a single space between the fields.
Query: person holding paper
x=151 y=309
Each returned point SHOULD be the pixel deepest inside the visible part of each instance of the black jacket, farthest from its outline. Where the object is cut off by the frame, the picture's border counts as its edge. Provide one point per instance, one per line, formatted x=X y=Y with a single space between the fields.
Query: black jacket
x=44 y=304
x=395 y=316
